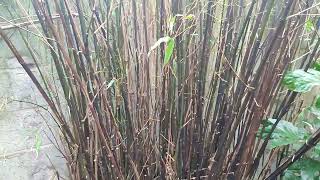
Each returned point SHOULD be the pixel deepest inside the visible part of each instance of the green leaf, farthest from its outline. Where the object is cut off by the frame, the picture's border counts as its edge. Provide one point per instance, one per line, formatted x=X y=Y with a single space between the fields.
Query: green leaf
x=286 y=133
x=308 y=168
x=291 y=175
x=307 y=175
x=314 y=111
x=309 y=25
x=301 y=81
x=316 y=152
x=310 y=118
x=37 y=144
x=266 y=127
x=316 y=65
x=169 y=51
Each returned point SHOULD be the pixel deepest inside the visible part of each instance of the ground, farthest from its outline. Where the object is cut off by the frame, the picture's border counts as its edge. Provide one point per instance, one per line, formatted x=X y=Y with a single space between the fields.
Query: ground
x=25 y=146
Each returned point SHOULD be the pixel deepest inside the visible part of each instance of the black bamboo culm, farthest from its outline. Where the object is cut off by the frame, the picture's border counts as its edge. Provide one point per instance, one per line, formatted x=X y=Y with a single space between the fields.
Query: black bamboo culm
x=169 y=89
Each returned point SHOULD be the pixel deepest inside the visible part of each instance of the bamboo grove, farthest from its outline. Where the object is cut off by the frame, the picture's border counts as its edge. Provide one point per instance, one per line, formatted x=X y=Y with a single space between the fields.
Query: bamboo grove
x=169 y=89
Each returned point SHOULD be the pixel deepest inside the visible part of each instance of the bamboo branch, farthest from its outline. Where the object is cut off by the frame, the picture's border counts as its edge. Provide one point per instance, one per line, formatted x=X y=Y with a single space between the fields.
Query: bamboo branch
x=10 y=25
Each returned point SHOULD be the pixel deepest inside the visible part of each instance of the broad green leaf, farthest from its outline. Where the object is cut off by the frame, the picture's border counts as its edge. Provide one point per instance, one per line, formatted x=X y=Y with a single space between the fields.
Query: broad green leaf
x=169 y=51
x=157 y=44
x=286 y=133
x=316 y=152
x=291 y=175
x=310 y=117
x=316 y=66
x=316 y=125
x=309 y=25
x=307 y=175
x=308 y=168
x=314 y=110
x=301 y=81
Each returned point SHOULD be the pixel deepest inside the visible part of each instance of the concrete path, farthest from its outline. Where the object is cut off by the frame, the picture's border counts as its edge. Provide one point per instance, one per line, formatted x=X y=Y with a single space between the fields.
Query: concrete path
x=26 y=152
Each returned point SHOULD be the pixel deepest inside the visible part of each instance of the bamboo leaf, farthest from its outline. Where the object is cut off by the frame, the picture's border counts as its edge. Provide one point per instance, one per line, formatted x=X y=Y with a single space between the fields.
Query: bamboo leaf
x=309 y=25
x=189 y=17
x=169 y=48
x=157 y=44
x=37 y=144
x=169 y=51
x=110 y=83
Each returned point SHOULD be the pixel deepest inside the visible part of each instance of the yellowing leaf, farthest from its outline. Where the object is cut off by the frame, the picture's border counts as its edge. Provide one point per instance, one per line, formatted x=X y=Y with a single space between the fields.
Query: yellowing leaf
x=169 y=48
x=157 y=44
x=309 y=25
x=172 y=21
x=189 y=17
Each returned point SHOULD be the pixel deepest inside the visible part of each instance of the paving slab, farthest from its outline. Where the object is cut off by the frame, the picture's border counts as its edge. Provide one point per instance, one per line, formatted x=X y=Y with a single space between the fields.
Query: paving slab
x=26 y=148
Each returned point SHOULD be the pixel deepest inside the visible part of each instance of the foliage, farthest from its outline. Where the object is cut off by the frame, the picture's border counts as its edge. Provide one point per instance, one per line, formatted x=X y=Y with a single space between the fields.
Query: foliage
x=168 y=51
x=309 y=25
x=316 y=66
x=301 y=81
x=38 y=143
x=304 y=169
x=169 y=48
x=168 y=89
x=286 y=134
